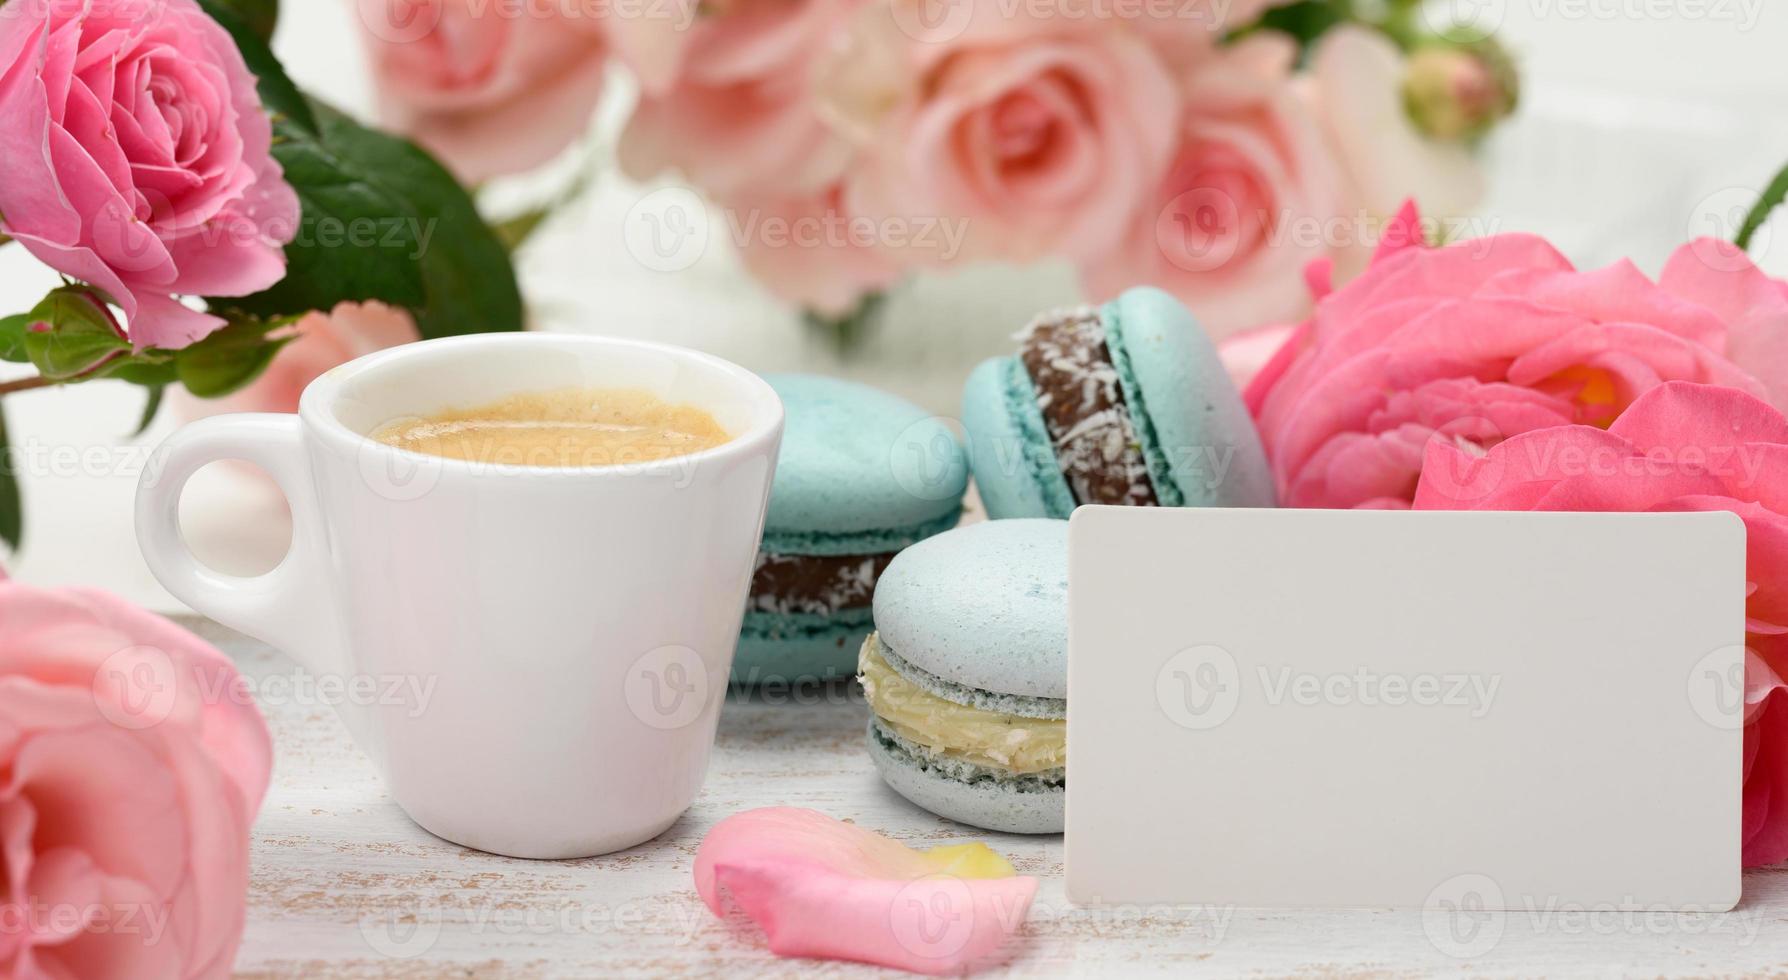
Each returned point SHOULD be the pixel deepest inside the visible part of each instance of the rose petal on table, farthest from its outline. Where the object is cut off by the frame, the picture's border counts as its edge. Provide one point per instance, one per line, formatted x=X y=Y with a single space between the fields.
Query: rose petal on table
x=827 y=889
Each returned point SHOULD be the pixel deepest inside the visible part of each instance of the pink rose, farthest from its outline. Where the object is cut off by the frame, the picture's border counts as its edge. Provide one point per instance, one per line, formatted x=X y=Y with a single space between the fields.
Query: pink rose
x=1044 y=135
x=491 y=88
x=1489 y=338
x=325 y=340
x=131 y=766
x=1246 y=203
x=136 y=158
x=1356 y=84
x=739 y=116
x=1679 y=447
x=810 y=251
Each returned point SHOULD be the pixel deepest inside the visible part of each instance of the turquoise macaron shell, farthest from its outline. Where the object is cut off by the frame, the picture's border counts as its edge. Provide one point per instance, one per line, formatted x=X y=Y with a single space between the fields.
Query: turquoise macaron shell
x=861 y=471
x=1198 y=438
x=984 y=606
x=1014 y=461
x=787 y=648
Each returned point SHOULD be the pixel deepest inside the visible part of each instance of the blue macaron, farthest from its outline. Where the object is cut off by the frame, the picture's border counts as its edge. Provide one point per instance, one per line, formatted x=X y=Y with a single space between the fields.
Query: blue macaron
x=966 y=675
x=862 y=474
x=1122 y=404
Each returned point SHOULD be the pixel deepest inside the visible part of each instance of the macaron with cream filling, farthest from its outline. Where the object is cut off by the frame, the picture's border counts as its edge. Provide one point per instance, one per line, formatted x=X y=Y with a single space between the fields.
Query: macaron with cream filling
x=966 y=675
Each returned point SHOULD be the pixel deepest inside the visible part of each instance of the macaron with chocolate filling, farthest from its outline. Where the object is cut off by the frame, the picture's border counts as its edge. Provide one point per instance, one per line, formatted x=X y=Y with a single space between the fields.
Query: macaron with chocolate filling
x=1126 y=404
x=862 y=475
x=966 y=675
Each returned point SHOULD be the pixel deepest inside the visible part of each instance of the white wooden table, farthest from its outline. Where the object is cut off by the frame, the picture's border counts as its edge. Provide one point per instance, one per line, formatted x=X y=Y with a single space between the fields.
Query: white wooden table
x=344 y=885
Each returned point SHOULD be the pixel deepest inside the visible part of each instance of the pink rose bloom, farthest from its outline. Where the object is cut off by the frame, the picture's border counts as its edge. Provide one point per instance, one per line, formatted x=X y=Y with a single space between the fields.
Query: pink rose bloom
x=1246 y=203
x=131 y=766
x=491 y=88
x=1355 y=84
x=136 y=158
x=739 y=116
x=1044 y=135
x=325 y=340
x=1679 y=447
x=810 y=251
x=1489 y=338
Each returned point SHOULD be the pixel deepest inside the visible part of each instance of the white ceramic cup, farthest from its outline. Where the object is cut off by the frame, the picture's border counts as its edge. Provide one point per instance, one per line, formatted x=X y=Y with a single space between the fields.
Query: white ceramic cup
x=535 y=657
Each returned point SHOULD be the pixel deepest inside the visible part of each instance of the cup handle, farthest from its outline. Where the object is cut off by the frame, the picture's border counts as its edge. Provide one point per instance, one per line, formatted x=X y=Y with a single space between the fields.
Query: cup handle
x=289 y=607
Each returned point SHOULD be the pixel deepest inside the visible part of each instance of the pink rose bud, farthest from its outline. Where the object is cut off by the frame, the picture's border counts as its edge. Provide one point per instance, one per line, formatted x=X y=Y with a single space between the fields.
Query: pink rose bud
x=1459 y=93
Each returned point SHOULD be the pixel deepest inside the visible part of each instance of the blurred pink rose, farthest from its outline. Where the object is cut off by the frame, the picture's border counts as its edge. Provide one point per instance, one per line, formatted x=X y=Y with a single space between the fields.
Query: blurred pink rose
x=136 y=158
x=1249 y=200
x=325 y=340
x=1488 y=338
x=1247 y=354
x=132 y=762
x=812 y=252
x=491 y=88
x=739 y=115
x=1043 y=134
x=1679 y=447
x=1355 y=82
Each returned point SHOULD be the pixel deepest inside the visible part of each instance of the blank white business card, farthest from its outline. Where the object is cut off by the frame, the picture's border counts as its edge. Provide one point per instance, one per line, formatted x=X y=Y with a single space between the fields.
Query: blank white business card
x=1420 y=710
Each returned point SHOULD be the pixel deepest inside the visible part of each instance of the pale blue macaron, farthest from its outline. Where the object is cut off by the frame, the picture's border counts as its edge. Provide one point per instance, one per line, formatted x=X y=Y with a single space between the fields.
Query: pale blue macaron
x=862 y=474
x=1194 y=433
x=978 y=616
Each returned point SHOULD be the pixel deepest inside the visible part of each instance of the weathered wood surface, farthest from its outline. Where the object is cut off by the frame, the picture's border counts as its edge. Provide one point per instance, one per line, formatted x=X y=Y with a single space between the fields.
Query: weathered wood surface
x=344 y=885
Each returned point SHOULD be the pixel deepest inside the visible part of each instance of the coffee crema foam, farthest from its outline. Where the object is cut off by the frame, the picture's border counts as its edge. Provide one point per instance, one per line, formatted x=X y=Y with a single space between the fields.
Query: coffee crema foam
x=572 y=427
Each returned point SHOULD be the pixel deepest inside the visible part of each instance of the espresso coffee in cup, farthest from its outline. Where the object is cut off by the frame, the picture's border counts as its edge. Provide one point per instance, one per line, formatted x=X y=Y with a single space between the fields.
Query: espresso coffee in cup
x=562 y=427
x=573 y=620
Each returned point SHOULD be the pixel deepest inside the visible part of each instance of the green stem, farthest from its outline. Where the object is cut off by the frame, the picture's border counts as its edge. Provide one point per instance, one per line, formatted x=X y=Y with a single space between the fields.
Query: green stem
x=1771 y=199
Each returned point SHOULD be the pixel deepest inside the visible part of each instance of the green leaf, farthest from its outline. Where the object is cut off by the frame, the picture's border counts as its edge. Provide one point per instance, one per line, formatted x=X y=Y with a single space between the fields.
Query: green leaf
x=1771 y=199
x=278 y=93
x=12 y=506
x=151 y=408
x=468 y=281
x=356 y=241
x=230 y=358
x=515 y=231
x=381 y=219
x=71 y=333
x=846 y=333
x=1305 y=20
x=12 y=338
x=259 y=16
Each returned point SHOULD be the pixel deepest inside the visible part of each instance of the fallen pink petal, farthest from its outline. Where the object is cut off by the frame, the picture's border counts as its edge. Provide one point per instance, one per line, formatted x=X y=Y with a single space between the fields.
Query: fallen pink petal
x=826 y=889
